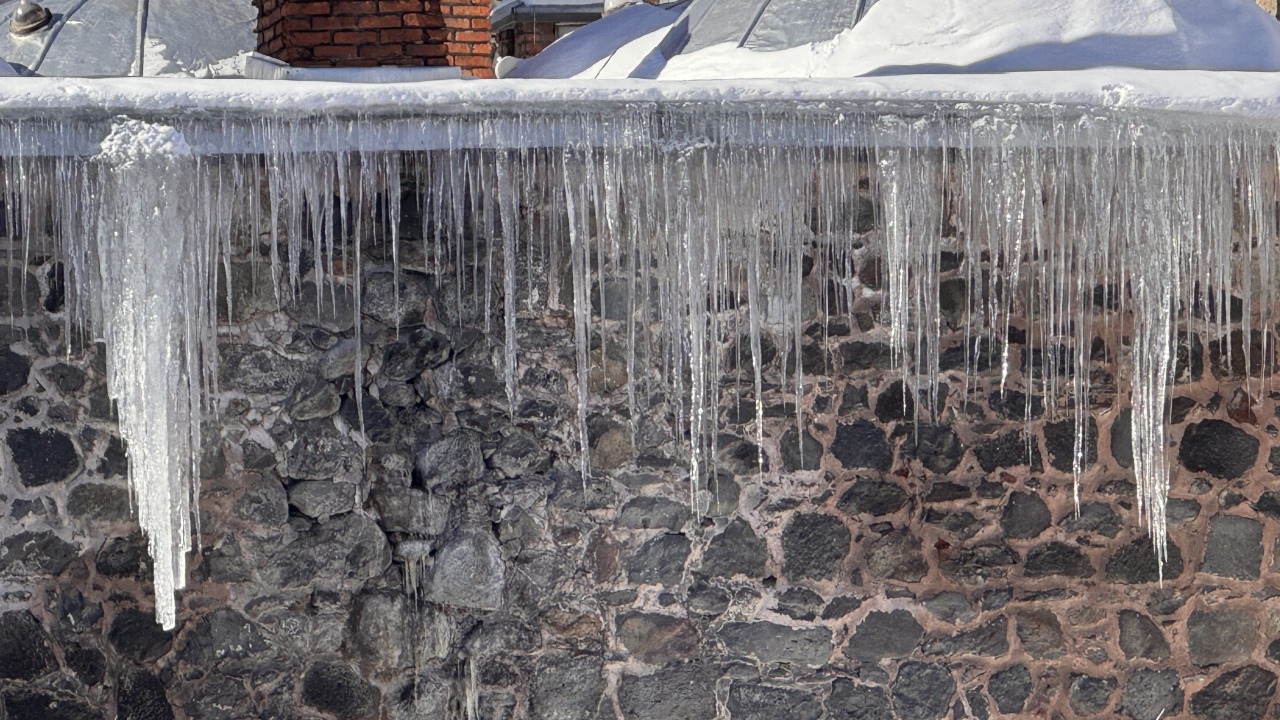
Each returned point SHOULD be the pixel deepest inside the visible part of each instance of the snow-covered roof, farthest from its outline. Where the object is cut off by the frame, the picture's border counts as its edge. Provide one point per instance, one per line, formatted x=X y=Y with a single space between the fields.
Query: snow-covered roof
x=508 y=12
x=597 y=44
x=737 y=39
x=109 y=38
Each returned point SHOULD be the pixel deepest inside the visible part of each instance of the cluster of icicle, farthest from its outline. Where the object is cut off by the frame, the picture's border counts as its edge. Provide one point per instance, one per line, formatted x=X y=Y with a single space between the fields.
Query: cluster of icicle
x=708 y=217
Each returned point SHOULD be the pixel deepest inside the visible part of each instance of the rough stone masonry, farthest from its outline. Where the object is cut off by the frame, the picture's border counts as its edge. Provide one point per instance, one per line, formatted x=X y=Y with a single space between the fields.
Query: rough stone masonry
x=451 y=562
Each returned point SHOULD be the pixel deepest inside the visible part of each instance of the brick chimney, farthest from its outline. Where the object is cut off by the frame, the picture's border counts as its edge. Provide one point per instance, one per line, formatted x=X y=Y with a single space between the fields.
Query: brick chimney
x=361 y=33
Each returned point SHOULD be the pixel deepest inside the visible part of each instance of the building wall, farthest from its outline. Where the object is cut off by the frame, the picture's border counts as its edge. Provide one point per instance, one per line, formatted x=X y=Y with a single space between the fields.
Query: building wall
x=878 y=568
x=355 y=33
x=526 y=39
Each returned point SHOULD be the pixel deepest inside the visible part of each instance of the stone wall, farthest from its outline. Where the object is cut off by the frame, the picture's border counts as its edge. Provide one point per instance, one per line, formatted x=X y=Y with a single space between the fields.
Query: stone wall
x=453 y=563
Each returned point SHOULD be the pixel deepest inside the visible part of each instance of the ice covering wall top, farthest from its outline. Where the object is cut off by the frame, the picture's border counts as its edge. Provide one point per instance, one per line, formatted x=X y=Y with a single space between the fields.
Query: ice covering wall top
x=104 y=38
x=815 y=38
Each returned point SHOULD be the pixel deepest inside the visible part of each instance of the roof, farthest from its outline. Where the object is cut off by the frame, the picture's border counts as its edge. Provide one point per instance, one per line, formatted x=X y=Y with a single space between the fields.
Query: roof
x=112 y=38
x=509 y=12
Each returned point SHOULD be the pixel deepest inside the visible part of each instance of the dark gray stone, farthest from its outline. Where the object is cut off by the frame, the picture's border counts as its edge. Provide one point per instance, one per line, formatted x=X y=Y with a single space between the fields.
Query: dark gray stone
x=659 y=561
x=896 y=555
x=1122 y=438
x=1060 y=441
x=26 y=651
x=223 y=634
x=1151 y=694
x=1221 y=636
x=991 y=639
x=1180 y=510
x=1057 y=558
x=136 y=635
x=1141 y=638
x=1090 y=695
x=1241 y=694
x=873 y=497
x=23 y=703
x=218 y=698
x=348 y=547
x=736 y=551
x=98 y=501
x=406 y=510
x=799 y=603
x=567 y=687
x=653 y=513
x=814 y=545
x=895 y=403
x=750 y=701
x=978 y=706
x=518 y=454
x=1094 y=517
x=1024 y=516
x=402 y=309
x=978 y=563
x=141 y=696
x=1040 y=633
x=328 y=306
x=35 y=553
x=770 y=642
x=862 y=444
x=415 y=352
x=922 y=691
x=657 y=639
x=1009 y=688
x=1016 y=405
x=455 y=461
x=1006 y=451
x=840 y=607
x=14 y=371
x=335 y=688
x=880 y=635
x=67 y=378
x=860 y=355
x=258 y=370
x=322 y=498
x=799 y=455
x=850 y=701
x=950 y=606
x=937 y=447
x=321 y=452
x=122 y=557
x=1234 y=547
x=468 y=572
x=683 y=692
x=313 y=398
x=264 y=505
x=1218 y=448
x=1269 y=503
x=1135 y=563
x=43 y=456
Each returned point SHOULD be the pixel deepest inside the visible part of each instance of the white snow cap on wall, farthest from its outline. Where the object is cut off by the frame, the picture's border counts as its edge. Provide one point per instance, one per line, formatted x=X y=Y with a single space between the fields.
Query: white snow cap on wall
x=722 y=39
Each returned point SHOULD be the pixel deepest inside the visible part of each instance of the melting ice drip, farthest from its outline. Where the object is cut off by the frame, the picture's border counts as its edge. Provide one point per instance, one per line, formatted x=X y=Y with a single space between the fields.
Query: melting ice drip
x=717 y=229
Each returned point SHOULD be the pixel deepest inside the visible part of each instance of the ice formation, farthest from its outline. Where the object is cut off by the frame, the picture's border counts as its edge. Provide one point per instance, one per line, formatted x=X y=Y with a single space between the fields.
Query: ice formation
x=722 y=226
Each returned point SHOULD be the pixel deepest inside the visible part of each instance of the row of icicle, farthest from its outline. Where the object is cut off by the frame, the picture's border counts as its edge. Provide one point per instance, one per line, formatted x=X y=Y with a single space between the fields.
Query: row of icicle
x=713 y=227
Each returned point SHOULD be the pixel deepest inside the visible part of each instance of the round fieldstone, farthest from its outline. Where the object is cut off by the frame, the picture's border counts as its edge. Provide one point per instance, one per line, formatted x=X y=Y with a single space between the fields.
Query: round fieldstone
x=567 y=687
x=43 y=456
x=1060 y=444
x=896 y=555
x=653 y=513
x=771 y=642
x=1151 y=694
x=1024 y=516
x=335 y=688
x=1135 y=563
x=1006 y=451
x=657 y=639
x=1057 y=558
x=1234 y=547
x=35 y=553
x=682 y=692
x=874 y=497
x=1221 y=636
x=881 y=635
x=1090 y=695
x=922 y=691
x=659 y=561
x=1218 y=448
x=895 y=403
x=14 y=371
x=122 y=557
x=991 y=639
x=1241 y=694
x=752 y=701
x=99 y=501
x=850 y=701
x=862 y=444
x=798 y=454
x=1010 y=688
x=979 y=563
x=136 y=635
x=1140 y=637
x=1040 y=633
x=141 y=696
x=1094 y=517
x=937 y=447
x=814 y=545
x=25 y=650
x=736 y=551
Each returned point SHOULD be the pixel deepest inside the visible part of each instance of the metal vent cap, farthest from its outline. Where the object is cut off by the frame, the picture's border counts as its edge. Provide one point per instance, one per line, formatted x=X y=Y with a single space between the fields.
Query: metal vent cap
x=29 y=18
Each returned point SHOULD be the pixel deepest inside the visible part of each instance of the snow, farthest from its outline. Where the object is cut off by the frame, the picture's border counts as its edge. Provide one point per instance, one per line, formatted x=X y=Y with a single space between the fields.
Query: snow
x=916 y=37
x=593 y=45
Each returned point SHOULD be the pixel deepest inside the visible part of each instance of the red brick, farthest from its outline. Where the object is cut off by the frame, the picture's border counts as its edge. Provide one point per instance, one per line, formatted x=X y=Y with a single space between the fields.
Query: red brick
x=310 y=38
x=354 y=7
x=471 y=36
x=310 y=8
x=401 y=6
x=423 y=20
x=480 y=24
x=467 y=10
x=297 y=23
x=332 y=22
x=401 y=35
x=457 y=22
x=380 y=51
x=430 y=51
x=380 y=21
x=484 y=72
x=355 y=37
x=340 y=52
